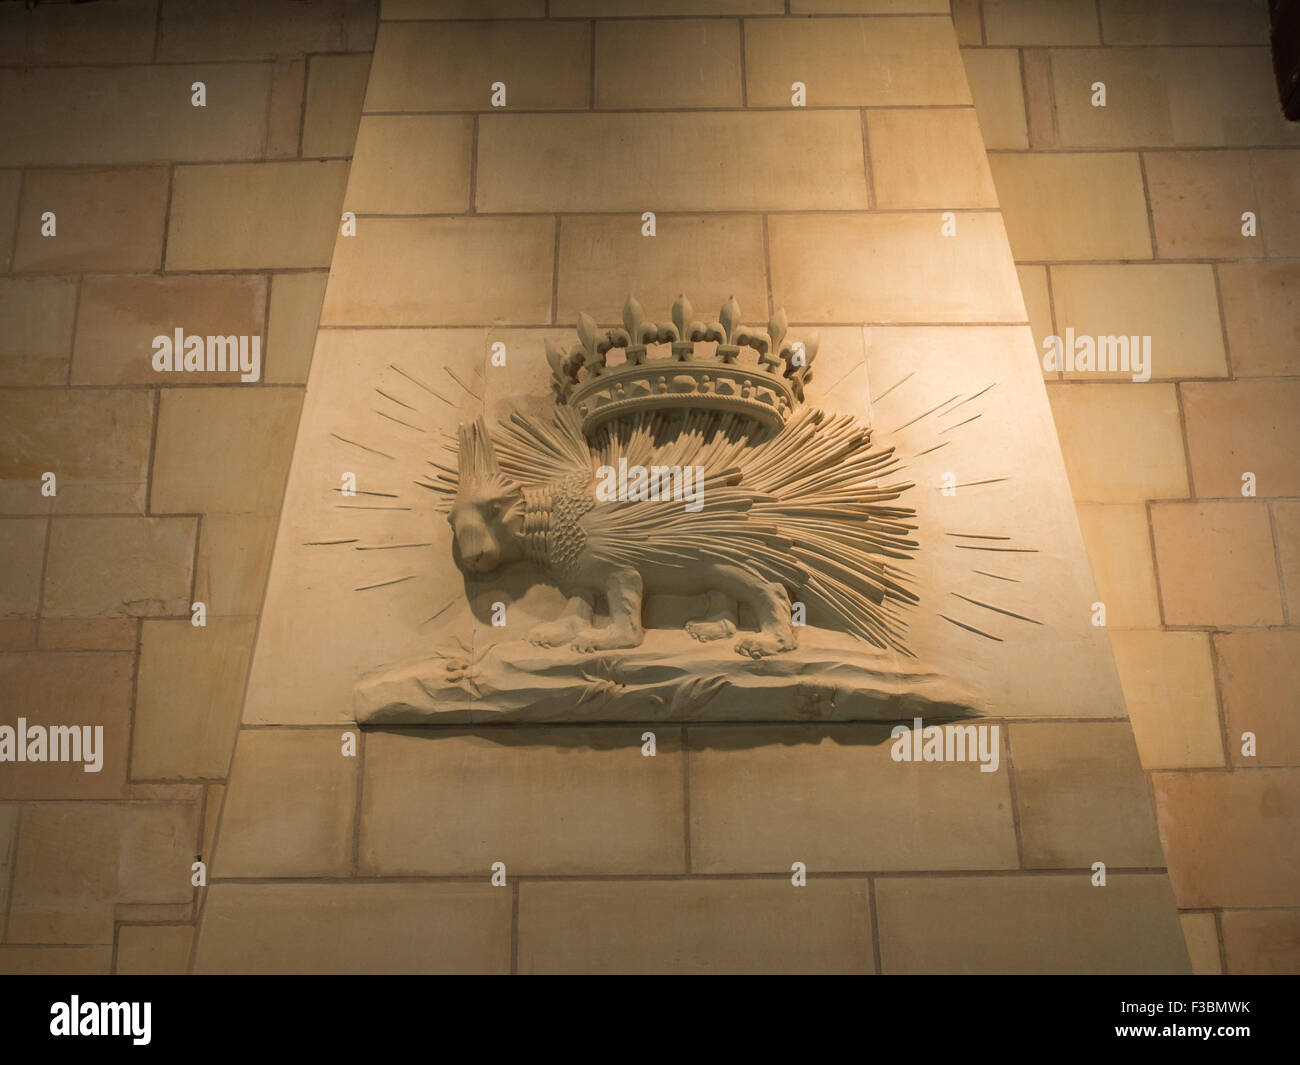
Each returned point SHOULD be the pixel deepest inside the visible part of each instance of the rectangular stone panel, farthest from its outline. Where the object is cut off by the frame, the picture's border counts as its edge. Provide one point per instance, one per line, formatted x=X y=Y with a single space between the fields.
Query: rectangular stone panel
x=411 y=164
x=257 y=29
x=1261 y=313
x=36 y=321
x=1197 y=203
x=697 y=63
x=249 y=430
x=244 y=216
x=22 y=545
x=234 y=554
x=96 y=444
x=121 y=32
x=137 y=114
x=355 y=928
x=336 y=88
x=893 y=268
x=671 y=162
x=103 y=219
x=854 y=62
x=1230 y=836
x=1118 y=537
x=119 y=317
x=1169 y=687
x=968 y=21
x=189 y=691
x=605 y=258
x=119 y=567
x=442 y=271
x=1096 y=210
x=1040 y=113
x=1033 y=22
x=296 y=301
x=904 y=144
x=427 y=66
x=291 y=806
x=57 y=961
x=1201 y=930
x=858 y=808
x=285 y=112
x=544 y=803
x=1174 y=304
x=1168 y=97
x=612 y=8
x=1243 y=426
x=68 y=690
x=998 y=88
x=1103 y=428
x=1262 y=941
x=461 y=9
x=1039 y=924
x=695 y=926
x=1259 y=672
x=162 y=950
x=1082 y=796
x=1217 y=22
x=869 y=7
x=1217 y=563
x=1276 y=175
x=284 y=118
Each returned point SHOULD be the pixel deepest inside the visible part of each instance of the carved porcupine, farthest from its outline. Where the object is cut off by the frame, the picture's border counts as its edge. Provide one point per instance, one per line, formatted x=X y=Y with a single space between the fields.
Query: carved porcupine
x=797 y=512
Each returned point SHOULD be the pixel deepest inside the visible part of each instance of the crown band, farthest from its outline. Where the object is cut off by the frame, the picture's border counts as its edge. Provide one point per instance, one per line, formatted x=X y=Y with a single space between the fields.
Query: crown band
x=665 y=384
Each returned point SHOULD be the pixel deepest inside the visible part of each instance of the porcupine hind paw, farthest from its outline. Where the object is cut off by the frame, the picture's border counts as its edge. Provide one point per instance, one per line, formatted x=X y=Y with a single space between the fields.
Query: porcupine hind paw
x=608 y=639
x=555 y=633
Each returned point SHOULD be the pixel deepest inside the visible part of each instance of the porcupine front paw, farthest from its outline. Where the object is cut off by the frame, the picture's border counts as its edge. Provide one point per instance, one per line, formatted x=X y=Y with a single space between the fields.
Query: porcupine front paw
x=606 y=639
x=762 y=644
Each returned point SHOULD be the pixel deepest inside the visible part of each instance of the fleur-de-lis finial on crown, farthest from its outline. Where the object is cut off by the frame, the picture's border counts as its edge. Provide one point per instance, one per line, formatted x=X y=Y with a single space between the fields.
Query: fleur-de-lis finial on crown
x=684 y=330
x=635 y=334
x=773 y=351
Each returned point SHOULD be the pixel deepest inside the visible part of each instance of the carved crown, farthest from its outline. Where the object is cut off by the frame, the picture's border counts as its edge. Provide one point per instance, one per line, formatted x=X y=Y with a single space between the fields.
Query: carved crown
x=766 y=388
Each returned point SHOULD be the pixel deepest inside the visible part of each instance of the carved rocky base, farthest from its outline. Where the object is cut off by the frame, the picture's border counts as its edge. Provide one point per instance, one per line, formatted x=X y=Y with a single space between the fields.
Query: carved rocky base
x=670 y=677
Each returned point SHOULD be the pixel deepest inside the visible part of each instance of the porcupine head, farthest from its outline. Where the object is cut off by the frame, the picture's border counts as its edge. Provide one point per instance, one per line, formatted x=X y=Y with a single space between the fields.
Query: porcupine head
x=487 y=514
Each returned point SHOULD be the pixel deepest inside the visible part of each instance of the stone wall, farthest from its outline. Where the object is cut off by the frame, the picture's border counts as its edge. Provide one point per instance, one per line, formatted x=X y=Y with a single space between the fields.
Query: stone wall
x=1128 y=220
x=216 y=219
x=1122 y=220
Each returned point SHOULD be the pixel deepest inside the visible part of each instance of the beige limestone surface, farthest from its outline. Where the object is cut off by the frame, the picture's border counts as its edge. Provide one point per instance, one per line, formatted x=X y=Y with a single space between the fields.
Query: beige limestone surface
x=106 y=89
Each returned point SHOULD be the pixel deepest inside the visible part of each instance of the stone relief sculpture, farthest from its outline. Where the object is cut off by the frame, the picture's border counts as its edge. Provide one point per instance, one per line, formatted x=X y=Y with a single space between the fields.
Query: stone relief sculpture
x=699 y=472
x=716 y=478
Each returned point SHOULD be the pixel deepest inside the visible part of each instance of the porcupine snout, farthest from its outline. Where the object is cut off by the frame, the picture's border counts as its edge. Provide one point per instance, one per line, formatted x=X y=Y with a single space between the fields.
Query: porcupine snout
x=476 y=547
